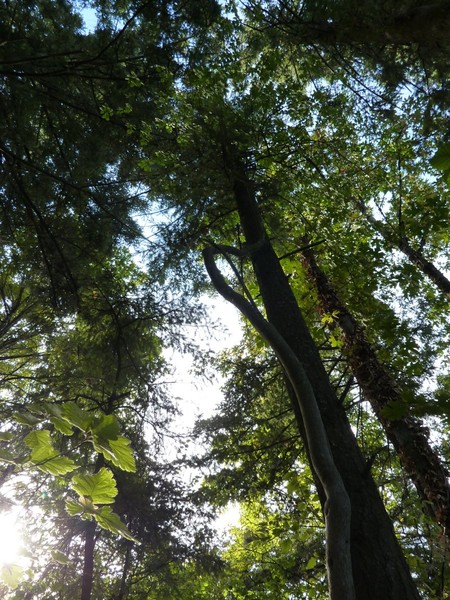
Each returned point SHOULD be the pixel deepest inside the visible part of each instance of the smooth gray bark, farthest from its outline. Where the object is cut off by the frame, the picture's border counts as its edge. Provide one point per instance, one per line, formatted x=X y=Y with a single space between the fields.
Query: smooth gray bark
x=337 y=504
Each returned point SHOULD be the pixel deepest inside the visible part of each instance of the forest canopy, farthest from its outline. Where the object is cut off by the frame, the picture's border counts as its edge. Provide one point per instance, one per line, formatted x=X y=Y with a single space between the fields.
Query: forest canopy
x=293 y=158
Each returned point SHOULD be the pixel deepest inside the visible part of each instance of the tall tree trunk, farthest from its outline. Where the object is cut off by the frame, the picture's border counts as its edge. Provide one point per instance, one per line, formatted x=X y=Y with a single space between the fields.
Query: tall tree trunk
x=407 y=434
x=337 y=509
x=88 y=565
x=380 y=571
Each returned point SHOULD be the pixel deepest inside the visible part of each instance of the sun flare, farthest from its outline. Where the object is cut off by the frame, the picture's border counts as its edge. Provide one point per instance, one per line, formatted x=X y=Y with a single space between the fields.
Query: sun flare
x=10 y=537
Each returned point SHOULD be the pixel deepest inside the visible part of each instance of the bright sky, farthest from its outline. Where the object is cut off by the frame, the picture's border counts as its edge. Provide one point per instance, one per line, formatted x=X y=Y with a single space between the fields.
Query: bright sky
x=200 y=396
x=10 y=537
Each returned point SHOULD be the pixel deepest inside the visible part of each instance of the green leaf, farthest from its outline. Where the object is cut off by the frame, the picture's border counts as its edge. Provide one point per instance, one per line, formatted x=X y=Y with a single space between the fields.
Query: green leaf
x=335 y=342
x=83 y=507
x=87 y=503
x=285 y=545
x=60 y=557
x=441 y=160
x=394 y=410
x=327 y=319
x=41 y=445
x=26 y=418
x=312 y=562
x=77 y=417
x=292 y=486
x=104 y=515
x=10 y=575
x=5 y=436
x=59 y=465
x=100 y=487
x=57 y=419
x=44 y=455
x=74 y=508
x=109 y=520
x=61 y=425
x=107 y=428
x=122 y=454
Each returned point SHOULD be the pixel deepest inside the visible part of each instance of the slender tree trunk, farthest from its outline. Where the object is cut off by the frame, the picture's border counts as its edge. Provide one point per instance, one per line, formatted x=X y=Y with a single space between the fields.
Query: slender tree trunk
x=88 y=566
x=407 y=434
x=123 y=581
x=380 y=571
x=427 y=268
x=414 y=255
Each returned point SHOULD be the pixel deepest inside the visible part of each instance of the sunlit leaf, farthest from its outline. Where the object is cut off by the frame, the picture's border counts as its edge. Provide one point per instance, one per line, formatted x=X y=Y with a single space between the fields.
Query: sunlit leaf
x=60 y=557
x=122 y=455
x=107 y=428
x=77 y=417
x=41 y=445
x=117 y=451
x=335 y=342
x=10 y=575
x=61 y=425
x=59 y=465
x=87 y=503
x=57 y=419
x=312 y=562
x=74 y=508
x=100 y=487
x=109 y=520
x=44 y=455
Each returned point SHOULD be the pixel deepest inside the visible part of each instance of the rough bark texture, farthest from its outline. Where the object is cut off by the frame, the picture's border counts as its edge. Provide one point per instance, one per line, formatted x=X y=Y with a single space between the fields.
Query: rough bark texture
x=407 y=433
x=379 y=569
x=337 y=504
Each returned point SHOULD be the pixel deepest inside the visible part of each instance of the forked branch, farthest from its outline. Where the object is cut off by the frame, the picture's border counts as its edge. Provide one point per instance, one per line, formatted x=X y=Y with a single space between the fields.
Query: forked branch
x=337 y=505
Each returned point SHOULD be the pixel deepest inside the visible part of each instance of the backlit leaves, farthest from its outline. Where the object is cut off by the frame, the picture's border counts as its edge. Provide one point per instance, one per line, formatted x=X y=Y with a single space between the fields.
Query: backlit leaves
x=100 y=487
x=75 y=416
x=10 y=575
x=441 y=160
x=117 y=451
x=44 y=455
x=109 y=520
x=94 y=490
x=60 y=557
x=100 y=429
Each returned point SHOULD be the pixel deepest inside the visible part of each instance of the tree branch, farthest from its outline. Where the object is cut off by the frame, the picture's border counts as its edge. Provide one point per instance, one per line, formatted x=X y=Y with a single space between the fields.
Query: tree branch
x=337 y=505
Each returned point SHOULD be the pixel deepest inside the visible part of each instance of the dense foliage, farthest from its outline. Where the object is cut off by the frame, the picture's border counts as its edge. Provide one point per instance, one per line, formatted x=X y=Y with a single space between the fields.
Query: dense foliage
x=302 y=149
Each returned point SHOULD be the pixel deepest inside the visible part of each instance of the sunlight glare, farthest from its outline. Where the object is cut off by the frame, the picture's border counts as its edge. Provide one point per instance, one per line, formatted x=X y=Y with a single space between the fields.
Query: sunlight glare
x=228 y=518
x=10 y=537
